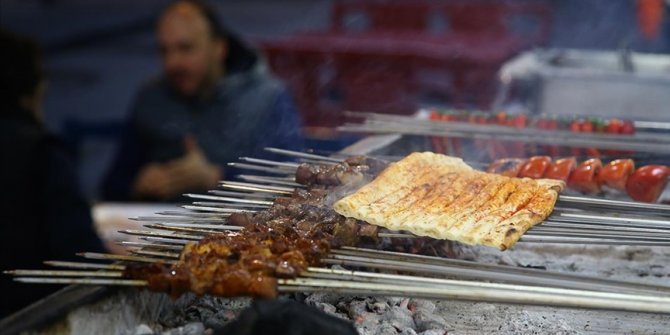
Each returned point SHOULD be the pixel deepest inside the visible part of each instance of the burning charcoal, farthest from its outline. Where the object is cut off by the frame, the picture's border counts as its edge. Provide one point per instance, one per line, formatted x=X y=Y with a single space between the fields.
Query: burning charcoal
x=417 y=305
x=434 y=332
x=395 y=301
x=368 y=323
x=386 y=329
x=378 y=307
x=143 y=330
x=328 y=308
x=328 y=298
x=194 y=328
x=220 y=319
x=428 y=321
x=400 y=317
x=355 y=309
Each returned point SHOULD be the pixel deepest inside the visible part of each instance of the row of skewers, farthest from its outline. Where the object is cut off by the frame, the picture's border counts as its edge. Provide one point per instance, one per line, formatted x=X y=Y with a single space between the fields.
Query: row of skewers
x=579 y=222
x=644 y=184
x=450 y=137
x=495 y=150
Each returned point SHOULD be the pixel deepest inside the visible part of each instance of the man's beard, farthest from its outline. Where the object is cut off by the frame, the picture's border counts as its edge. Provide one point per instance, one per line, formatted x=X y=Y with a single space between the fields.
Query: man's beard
x=204 y=88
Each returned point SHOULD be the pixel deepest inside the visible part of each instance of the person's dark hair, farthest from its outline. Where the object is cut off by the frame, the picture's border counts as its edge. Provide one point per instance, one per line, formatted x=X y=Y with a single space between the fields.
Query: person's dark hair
x=208 y=11
x=240 y=57
x=20 y=70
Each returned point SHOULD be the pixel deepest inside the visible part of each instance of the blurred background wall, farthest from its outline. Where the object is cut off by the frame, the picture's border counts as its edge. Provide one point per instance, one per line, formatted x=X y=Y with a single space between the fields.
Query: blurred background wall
x=99 y=52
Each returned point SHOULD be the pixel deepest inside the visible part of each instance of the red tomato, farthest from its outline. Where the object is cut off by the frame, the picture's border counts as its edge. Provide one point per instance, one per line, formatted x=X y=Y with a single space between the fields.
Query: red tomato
x=520 y=121
x=535 y=167
x=615 y=174
x=628 y=128
x=437 y=141
x=647 y=183
x=588 y=127
x=507 y=167
x=614 y=126
x=584 y=178
x=500 y=118
x=561 y=169
x=553 y=150
x=575 y=128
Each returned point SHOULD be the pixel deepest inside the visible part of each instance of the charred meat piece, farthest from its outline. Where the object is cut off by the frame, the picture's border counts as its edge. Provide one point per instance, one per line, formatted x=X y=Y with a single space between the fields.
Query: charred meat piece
x=330 y=175
x=243 y=264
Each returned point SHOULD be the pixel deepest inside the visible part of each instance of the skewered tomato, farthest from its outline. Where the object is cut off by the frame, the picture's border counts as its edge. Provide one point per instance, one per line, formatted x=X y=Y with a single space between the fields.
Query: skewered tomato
x=616 y=173
x=628 y=128
x=437 y=141
x=535 y=167
x=575 y=127
x=553 y=150
x=507 y=167
x=614 y=126
x=584 y=178
x=647 y=183
x=588 y=126
x=561 y=169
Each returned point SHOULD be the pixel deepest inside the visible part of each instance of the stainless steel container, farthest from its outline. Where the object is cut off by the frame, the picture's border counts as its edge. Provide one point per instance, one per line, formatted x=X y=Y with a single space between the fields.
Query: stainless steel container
x=588 y=83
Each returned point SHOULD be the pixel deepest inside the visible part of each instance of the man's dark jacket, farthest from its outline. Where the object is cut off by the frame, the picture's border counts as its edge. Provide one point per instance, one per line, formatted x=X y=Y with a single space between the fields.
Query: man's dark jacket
x=43 y=215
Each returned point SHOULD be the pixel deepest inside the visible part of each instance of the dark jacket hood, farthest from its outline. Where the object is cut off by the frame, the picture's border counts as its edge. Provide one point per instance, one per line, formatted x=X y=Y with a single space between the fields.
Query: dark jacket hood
x=241 y=57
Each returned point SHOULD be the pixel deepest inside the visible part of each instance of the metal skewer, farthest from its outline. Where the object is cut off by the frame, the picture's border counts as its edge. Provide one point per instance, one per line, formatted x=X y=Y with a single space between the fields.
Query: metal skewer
x=231 y=205
x=254 y=188
x=360 y=283
x=83 y=265
x=125 y=258
x=217 y=209
x=81 y=281
x=228 y=199
x=262 y=168
x=299 y=154
x=647 y=207
x=152 y=253
x=243 y=195
x=290 y=166
x=476 y=294
x=374 y=277
x=63 y=273
x=146 y=245
x=270 y=181
x=527 y=275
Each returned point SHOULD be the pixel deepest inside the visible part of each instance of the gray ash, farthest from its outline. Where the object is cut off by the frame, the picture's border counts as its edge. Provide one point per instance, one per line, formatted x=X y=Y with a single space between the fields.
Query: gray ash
x=383 y=315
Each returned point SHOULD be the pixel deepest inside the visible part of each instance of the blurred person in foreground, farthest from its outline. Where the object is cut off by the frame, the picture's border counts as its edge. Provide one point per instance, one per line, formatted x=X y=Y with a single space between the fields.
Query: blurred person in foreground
x=43 y=214
x=214 y=102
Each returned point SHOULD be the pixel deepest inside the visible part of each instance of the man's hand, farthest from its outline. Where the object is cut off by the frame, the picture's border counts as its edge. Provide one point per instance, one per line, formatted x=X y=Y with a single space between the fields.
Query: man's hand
x=193 y=170
x=189 y=172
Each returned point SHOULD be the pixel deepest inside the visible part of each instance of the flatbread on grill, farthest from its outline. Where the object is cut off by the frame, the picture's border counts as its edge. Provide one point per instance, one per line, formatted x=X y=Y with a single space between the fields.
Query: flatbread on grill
x=440 y=196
